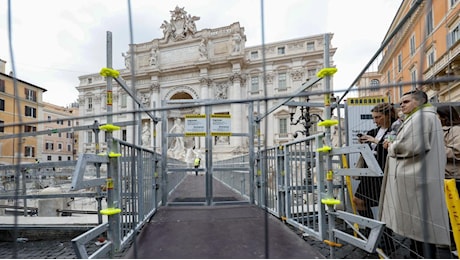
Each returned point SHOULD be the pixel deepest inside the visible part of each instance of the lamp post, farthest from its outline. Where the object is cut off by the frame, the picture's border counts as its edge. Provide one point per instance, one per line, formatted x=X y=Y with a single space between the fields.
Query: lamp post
x=305 y=119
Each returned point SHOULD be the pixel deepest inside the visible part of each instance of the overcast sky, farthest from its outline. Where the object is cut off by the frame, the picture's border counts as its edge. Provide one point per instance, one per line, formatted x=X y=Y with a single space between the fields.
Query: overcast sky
x=56 y=41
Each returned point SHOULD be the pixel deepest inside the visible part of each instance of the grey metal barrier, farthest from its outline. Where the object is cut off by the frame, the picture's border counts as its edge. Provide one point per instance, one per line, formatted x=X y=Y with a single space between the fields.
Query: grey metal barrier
x=137 y=187
x=234 y=174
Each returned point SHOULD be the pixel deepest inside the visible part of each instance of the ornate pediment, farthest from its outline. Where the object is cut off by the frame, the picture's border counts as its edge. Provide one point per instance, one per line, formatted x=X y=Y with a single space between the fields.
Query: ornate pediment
x=180 y=26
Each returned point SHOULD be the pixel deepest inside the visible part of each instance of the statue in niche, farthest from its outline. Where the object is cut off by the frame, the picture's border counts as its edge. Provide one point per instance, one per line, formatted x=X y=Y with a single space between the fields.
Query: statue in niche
x=236 y=43
x=203 y=49
x=221 y=91
x=146 y=134
x=154 y=56
x=177 y=147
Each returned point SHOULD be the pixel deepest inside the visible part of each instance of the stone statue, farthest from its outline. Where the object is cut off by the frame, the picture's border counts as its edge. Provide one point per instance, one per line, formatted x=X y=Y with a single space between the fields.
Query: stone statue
x=127 y=57
x=203 y=49
x=221 y=91
x=146 y=134
x=236 y=43
x=177 y=147
x=167 y=30
x=154 y=56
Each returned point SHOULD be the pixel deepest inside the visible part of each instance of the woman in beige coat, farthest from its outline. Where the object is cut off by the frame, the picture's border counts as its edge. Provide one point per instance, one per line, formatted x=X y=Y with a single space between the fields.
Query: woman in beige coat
x=413 y=201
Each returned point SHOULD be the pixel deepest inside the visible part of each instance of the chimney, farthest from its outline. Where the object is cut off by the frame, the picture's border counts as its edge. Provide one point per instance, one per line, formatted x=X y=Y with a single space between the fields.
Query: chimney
x=2 y=66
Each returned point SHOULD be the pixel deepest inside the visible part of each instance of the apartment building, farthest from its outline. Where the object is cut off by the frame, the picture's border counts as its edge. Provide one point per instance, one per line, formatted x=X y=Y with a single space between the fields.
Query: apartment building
x=24 y=112
x=61 y=143
x=427 y=46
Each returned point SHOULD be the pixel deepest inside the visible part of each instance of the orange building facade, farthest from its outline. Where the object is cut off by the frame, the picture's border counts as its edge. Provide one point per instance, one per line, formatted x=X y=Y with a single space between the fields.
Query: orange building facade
x=21 y=114
x=425 y=47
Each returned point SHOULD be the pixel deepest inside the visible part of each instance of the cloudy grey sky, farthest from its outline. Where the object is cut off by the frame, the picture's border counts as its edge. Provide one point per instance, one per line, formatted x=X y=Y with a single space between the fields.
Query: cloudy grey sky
x=56 y=41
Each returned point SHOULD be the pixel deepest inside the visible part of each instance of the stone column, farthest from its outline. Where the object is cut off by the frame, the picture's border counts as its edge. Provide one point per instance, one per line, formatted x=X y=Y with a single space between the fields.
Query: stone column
x=236 y=110
x=205 y=83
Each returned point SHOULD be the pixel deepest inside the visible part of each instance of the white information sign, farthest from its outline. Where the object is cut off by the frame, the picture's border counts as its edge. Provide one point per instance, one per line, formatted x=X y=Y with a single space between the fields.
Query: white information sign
x=359 y=119
x=221 y=125
x=195 y=125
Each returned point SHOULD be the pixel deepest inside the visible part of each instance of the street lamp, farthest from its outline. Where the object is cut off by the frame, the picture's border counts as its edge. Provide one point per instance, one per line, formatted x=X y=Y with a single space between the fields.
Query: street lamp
x=305 y=119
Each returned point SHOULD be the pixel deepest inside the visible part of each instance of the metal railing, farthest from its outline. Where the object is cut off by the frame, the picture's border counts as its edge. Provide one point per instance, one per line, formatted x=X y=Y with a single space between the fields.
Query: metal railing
x=138 y=187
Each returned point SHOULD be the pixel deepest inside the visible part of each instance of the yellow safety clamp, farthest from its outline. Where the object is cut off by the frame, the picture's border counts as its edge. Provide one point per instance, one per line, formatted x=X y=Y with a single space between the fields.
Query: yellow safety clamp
x=106 y=72
x=324 y=149
x=259 y=172
x=113 y=155
x=328 y=122
x=110 y=211
x=329 y=175
x=330 y=201
x=326 y=72
x=109 y=128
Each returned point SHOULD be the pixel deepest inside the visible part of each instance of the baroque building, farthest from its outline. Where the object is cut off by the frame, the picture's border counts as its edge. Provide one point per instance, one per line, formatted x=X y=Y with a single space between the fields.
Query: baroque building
x=188 y=64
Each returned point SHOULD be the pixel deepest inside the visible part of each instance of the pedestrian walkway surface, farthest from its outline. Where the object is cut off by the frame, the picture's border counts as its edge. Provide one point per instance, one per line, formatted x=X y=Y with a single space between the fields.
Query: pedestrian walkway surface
x=239 y=231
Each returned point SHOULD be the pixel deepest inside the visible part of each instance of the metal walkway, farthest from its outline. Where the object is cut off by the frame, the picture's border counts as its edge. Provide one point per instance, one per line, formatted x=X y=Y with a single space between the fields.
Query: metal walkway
x=224 y=231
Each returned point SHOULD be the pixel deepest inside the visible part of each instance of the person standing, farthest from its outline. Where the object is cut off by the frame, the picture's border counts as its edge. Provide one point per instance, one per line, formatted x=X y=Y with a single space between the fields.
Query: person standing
x=414 y=203
x=196 y=164
x=368 y=192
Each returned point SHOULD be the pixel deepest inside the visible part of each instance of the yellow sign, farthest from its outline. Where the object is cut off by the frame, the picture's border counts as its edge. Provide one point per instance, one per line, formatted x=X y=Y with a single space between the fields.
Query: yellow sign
x=109 y=98
x=366 y=101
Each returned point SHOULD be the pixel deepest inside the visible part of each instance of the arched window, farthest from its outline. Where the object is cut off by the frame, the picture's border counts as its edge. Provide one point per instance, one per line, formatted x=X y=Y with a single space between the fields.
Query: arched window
x=375 y=83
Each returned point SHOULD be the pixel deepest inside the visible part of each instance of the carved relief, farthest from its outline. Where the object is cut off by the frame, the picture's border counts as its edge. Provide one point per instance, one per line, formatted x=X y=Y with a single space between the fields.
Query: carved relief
x=297 y=74
x=144 y=98
x=155 y=87
x=235 y=77
x=221 y=91
x=206 y=81
x=180 y=26
x=269 y=77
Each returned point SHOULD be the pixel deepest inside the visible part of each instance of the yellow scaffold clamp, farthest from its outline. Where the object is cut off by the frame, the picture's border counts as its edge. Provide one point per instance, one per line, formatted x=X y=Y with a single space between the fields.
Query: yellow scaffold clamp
x=326 y=72
x=110 y=211
x=328 y=122
x=114 y=155
x=109 y=128
x=324 y=149
x=330 y=201
x=106 y=72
